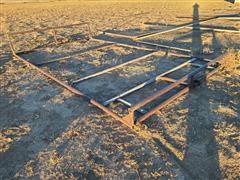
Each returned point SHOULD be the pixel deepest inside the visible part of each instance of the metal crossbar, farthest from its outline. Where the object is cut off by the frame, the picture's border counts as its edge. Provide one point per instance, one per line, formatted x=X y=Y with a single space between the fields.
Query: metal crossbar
x=113 y=68
x=146 y=35
x=217 y=29
x=188 y=77
x=156 y=78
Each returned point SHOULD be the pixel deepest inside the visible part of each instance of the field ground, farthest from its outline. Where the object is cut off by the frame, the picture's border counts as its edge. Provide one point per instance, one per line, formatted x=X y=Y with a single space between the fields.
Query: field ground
x=46 y=132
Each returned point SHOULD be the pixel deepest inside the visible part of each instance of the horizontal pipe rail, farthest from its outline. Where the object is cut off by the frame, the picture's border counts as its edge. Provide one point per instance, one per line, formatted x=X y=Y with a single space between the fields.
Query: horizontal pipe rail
x=125 y=45
x=165 y=46
x=156 y=78
x=171 y=99
x=119 y=35
x=172 y=86
x=123 y=101
x=149 y=34
x=236 y=17
x=199 y=65
x=176 y=28
x=216 y=29
x=130 y=124
x=113 y=68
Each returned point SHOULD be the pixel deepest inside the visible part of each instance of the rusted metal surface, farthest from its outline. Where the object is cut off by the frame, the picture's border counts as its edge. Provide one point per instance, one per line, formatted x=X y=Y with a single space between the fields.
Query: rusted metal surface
x=187 y=25
x=150 y=81
x=162 y=105
x=129 y=119
x=73 y=90
x=187 y=78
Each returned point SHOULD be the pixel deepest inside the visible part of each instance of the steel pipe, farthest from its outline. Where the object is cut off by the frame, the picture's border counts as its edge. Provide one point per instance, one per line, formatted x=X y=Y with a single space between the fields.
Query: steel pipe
x=165 y=46
x=172 y=86
x=156 y=78
x=112 y=68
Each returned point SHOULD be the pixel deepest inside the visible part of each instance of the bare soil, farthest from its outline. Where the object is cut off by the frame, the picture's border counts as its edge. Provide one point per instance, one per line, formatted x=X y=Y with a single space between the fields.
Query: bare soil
x=48 y=133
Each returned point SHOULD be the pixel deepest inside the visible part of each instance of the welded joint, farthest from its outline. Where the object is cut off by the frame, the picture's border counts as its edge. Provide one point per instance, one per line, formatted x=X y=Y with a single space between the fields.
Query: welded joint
x=130 y=118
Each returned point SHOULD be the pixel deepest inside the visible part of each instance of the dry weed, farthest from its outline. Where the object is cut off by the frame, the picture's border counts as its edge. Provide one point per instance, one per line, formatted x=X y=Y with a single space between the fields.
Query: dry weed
x=231 y=62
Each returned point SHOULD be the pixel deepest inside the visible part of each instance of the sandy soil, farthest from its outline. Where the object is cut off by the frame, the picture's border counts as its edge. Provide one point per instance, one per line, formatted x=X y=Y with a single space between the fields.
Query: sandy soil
x=48 y=133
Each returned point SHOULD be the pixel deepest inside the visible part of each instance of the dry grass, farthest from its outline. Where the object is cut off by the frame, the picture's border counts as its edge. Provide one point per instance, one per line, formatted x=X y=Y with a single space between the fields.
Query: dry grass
x=231 y=62
x=48 y=133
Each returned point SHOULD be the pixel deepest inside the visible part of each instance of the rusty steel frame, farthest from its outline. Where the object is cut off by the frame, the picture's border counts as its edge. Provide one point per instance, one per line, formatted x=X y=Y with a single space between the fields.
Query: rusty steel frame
x=188 y=77
x=53 y=29
x=145 y=35
x=150 y=81
x=138 y=38
x=176 y=28
x=72 y=89
x=129 y=119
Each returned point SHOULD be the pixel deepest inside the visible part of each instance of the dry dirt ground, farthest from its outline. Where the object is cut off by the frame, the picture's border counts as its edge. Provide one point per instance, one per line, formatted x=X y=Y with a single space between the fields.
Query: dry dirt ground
x=48 y=133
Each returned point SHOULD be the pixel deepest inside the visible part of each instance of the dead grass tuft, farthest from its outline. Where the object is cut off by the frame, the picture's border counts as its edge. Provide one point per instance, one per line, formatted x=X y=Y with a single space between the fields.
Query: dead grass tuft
x=4 y=143
x=8 y=136
x=231 y=61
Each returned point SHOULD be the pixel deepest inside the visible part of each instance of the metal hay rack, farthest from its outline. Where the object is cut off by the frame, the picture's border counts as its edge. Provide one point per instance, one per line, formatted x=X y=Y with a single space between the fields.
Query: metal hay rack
x=136 y=112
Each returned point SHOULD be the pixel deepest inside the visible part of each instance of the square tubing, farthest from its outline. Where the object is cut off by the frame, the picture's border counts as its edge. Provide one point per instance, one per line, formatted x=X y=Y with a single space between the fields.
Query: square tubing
x=48 y=29
x=127 y=122
x=148 y=82
x=172 y=86
x=171 y=99
x=162 y=105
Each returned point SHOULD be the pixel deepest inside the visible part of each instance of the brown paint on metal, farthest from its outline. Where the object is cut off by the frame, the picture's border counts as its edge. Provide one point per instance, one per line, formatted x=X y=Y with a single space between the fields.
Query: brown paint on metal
x=175 y=84
x=75 y=91
x=170 y=80
x=129 y=119
x=162 y=105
